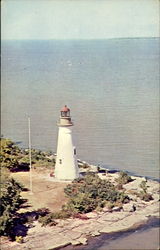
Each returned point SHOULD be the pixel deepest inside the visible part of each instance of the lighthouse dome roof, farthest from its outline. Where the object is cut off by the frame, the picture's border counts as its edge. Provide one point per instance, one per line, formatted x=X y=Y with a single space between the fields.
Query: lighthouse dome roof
x=65 y=109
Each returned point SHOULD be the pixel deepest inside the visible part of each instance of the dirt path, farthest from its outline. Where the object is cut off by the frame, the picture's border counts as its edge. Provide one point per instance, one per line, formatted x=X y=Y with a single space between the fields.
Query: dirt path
x=46 y=192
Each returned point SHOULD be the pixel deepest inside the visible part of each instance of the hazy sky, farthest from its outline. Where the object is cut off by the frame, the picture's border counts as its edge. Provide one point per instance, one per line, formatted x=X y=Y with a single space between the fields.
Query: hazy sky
x=79 y=19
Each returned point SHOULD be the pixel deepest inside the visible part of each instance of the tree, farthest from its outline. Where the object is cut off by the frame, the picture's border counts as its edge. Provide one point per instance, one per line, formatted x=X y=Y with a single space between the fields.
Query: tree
x=8 y=155
x=10 y=202
x=14 y=158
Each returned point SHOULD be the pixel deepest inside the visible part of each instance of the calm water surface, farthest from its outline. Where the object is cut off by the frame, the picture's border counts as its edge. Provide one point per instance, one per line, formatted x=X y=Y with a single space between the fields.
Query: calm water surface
x=146 y=237
x=112 y=88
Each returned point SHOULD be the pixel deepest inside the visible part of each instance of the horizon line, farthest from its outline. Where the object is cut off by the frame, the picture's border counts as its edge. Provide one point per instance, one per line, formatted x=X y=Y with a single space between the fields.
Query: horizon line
x=68 y=39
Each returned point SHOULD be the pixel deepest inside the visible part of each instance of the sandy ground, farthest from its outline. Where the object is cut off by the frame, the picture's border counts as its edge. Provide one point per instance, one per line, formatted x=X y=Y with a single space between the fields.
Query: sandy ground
x=46 y=192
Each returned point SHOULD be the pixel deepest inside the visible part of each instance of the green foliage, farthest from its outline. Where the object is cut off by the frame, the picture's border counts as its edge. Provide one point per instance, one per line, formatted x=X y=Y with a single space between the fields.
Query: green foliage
x=47 y=220
x=143 y=195
x=50 y=218
x=123 y=178
x=8 y=154
x=10 y=196
x=14 y=158
x=39 y=158
x=110 y=205
x=10 y=203
x=119 y=186
x=85 y=195
x=63 y=214
x=143 y=186
x=82 y=203
x=4 y=175
x=88 y=193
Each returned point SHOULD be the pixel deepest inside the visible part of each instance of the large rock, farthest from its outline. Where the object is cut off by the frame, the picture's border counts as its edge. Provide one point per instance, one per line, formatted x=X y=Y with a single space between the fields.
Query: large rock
x=129 y=207
x=116 y=209
x=73 y=235
x=79 y=241
x=92 y=215
x=95 y=233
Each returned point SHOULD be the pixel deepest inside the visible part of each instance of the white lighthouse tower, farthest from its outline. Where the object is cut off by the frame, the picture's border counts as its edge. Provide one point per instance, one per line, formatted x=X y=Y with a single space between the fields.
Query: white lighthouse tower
x=66 y=167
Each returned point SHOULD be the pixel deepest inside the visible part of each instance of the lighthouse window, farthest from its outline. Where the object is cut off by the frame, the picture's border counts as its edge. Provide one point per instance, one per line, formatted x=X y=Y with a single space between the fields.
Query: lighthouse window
x=60 y=161
x=74 y=151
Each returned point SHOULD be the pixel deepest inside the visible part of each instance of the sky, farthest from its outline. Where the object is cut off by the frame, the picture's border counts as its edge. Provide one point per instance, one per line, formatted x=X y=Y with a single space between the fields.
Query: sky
x=79 y=19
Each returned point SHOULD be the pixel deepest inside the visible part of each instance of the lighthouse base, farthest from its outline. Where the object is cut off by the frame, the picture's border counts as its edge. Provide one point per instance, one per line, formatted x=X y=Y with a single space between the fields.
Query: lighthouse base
x=66 y=168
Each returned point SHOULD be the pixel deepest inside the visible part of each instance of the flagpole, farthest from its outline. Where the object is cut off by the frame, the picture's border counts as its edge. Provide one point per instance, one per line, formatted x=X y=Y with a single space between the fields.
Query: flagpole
x=30 y=156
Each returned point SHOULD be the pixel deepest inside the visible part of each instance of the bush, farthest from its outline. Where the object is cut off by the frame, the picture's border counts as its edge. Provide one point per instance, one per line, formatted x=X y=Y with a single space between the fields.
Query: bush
x=14 y=158
x=87 y=193
x=63 y=214
x=50 y=218
x=123 y=178
x=143 y=195
x=10 y=203
x=143 y=186
x=119 y=186
x=82 y=203
x=47 y=220
x=110 y=206
x=8 y=154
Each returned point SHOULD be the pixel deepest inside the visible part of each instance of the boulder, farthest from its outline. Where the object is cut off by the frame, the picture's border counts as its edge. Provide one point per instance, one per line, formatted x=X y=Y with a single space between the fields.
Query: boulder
x=83 y=240
x=92 y=215
x=96 y=233
x=129 y=207
x=79 y=241
x=116 y=209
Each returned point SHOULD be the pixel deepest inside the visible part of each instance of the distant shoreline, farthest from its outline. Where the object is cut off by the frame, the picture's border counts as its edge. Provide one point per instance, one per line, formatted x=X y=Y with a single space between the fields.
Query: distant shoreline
x=78 y=40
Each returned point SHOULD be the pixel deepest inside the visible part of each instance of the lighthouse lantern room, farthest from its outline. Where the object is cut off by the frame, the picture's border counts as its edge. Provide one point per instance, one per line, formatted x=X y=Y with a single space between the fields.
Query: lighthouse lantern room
x=66 y=167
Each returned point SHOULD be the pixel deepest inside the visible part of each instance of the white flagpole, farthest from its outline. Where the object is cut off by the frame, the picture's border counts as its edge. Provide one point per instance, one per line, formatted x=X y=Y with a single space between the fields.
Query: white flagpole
x=30 y=159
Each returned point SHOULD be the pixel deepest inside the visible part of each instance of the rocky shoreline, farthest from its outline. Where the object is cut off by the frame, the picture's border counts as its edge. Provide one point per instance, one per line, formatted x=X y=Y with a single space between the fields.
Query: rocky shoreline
x=76 y=231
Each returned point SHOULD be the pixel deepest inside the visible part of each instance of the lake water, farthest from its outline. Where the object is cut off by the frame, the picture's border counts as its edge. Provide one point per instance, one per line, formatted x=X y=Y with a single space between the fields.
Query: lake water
x=112 y=89
x=145 y=237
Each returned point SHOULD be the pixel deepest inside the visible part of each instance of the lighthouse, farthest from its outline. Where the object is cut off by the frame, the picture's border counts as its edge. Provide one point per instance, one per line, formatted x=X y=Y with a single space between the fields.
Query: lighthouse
x=66 y=167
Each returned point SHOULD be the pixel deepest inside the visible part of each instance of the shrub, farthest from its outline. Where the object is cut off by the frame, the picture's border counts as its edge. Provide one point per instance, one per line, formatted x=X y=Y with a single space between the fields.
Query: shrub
x=110 y=205
x=123 y=178
x=10 y=203
x=143 y=195
x=50 y=218
x=14 y=158
x=87 y=193
x=119 y=186
x=82 y=203
x=63 y=214
x=143 y=186
x=8 y=154
x=47 y=220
